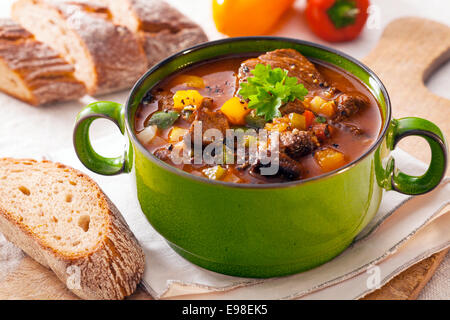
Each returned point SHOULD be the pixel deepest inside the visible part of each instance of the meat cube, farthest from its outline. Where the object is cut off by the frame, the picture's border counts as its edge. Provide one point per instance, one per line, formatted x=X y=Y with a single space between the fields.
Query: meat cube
x=293 y=106
x=209 y=120
x=291 y=60
x=162 y=153
x=348 y=105
x=207 y=103
x=288 y=168
x=297 y=143
x=322 y=131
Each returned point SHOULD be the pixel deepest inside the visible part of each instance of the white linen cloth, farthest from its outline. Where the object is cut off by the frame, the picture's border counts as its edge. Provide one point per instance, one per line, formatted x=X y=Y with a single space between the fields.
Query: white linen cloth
x=168 y=275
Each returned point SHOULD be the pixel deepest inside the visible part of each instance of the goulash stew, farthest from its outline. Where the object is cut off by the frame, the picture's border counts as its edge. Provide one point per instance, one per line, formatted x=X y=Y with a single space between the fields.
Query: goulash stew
x=321 y=116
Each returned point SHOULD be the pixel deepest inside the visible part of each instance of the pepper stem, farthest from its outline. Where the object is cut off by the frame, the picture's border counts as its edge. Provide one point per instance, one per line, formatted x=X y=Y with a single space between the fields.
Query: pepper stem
x=343 y=13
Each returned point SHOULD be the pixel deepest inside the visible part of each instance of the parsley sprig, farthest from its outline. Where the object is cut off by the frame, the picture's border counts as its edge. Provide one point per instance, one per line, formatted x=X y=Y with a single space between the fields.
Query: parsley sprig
x=269 y=89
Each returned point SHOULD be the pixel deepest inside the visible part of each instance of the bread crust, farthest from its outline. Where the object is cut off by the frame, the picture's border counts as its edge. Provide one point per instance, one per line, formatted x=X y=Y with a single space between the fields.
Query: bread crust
x=42 y=73
x=114 y=57
x=112 y=270
x=162 y=29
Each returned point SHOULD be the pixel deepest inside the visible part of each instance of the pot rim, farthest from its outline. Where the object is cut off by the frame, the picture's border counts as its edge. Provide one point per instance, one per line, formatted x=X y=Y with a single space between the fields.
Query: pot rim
x=185 y=174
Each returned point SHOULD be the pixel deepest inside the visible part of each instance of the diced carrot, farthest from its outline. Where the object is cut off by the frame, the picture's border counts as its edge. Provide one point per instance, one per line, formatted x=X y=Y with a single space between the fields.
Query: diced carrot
x=309 y=118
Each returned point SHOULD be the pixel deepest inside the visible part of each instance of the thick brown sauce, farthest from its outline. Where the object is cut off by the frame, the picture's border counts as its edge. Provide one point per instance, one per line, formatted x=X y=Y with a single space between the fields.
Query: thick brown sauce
x=220 y=77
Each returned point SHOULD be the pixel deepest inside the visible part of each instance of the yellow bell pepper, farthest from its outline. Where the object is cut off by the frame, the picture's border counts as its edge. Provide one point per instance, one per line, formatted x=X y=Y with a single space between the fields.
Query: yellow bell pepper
x=214 y=173
x=176 y=134
x=329 y=159
x=298 y=121
x=321 y=106
x=235 y=110
x=248 y=17
x=327 y=109
x=183 y=98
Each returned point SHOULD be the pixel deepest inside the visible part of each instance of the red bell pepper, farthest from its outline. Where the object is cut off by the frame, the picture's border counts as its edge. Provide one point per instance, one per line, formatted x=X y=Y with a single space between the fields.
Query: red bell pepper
x=337 y=20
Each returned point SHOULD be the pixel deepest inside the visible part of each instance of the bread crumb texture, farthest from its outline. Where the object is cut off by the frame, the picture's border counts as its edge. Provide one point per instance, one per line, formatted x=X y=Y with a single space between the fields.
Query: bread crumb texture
x=61 y=218
x=62 y=210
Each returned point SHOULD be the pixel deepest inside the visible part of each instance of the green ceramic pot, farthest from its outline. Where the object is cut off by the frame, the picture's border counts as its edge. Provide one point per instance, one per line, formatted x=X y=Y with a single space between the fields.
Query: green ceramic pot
x=261 y=230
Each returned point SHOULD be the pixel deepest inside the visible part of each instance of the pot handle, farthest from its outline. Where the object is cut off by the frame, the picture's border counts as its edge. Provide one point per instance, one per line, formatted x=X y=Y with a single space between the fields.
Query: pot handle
x=415 y=185
x=81 y=140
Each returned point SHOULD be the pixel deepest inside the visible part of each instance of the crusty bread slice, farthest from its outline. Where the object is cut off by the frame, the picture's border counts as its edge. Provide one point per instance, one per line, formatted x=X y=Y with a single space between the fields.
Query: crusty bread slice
x=107 y=57
x=32 y=71
x=62 y=219
x=163 y=29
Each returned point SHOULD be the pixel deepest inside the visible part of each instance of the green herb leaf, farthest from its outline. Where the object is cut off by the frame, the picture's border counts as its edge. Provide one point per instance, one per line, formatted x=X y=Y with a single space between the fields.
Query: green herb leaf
x=321 y=119
x=269 y=89
x=163 y=119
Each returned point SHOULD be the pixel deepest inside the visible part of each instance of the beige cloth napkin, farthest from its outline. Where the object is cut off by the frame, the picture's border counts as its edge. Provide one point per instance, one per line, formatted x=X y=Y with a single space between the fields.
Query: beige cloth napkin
x=386 y=242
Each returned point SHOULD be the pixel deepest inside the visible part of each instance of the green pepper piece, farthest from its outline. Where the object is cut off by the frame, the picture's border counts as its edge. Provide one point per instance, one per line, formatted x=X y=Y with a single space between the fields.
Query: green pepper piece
x=255 y=121
x=163 y=119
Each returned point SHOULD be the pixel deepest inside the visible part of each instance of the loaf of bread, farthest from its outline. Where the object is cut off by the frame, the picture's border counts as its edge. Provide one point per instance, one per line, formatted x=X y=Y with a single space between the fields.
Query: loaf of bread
x=62 y=219
x=162 y=29
x=32 y=71
x=107 y=57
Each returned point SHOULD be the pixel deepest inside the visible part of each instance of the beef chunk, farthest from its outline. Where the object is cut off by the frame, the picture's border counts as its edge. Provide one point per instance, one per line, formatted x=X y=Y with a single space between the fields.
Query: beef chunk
x=165 y=101
x=209 y=120
x=291 y=60
x=207 y=103
x=322 y=131
x=294 y=106
x=348 y=105
x=297 y=143
x=162 y=153
x=289 y=168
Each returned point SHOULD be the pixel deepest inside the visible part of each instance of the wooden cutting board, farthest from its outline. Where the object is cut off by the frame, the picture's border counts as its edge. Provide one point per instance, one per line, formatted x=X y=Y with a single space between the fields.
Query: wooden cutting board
x=408 y=52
